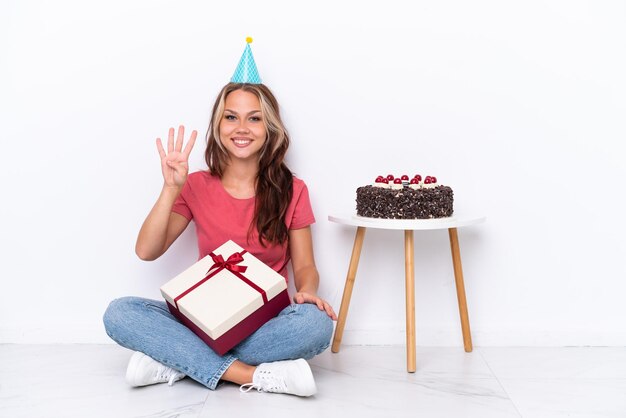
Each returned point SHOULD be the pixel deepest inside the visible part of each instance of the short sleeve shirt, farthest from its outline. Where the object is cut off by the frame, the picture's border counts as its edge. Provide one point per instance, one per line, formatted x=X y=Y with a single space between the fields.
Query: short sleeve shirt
x=220 y=217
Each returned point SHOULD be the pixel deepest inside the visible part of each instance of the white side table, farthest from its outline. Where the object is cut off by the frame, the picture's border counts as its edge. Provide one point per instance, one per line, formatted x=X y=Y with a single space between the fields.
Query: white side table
x=451 y=224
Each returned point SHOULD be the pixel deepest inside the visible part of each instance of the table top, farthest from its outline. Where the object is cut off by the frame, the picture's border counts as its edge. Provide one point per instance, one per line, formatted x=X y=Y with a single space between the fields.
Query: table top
x=454 y=221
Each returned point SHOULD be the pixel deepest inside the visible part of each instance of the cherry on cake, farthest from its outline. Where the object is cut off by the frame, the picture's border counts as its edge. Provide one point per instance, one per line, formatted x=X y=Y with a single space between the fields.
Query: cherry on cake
x=391 y=197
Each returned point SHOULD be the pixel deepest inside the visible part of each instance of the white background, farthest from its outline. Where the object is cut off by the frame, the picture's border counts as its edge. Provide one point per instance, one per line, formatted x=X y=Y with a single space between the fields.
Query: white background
x=518 y=106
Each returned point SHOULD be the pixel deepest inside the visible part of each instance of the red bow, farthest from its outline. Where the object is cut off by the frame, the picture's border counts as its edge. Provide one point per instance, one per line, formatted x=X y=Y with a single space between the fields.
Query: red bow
x=230 y=264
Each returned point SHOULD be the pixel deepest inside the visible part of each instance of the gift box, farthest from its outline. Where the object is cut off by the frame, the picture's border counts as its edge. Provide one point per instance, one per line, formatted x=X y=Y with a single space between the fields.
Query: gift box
x=226 y=296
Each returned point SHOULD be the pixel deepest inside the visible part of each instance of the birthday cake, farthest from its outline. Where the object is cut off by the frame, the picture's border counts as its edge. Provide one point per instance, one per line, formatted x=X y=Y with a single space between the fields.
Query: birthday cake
x=400 y=198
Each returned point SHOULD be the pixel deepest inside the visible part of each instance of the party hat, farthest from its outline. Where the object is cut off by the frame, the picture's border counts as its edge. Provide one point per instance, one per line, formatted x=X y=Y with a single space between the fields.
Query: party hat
x=246 y=71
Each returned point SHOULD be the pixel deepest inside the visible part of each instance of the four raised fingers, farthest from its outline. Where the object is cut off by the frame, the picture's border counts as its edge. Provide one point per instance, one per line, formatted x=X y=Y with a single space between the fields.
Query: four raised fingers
x=171 y=147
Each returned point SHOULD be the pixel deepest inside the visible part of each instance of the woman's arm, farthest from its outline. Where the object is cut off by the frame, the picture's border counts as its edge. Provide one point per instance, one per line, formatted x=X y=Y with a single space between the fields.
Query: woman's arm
x=162 y=226
x=306 y=277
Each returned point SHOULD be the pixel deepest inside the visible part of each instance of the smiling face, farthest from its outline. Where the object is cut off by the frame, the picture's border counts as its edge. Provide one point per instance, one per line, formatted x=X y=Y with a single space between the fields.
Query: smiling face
x=242 y=128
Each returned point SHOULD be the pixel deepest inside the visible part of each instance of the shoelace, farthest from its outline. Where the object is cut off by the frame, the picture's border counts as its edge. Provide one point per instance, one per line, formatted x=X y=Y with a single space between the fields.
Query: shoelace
x=174 y=377
x=247 y=387
x=266 y=384
x=169 y=374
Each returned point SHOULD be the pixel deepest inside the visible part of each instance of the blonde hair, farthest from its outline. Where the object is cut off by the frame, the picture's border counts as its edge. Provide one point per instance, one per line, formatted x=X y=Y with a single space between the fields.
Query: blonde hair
x=274 y=180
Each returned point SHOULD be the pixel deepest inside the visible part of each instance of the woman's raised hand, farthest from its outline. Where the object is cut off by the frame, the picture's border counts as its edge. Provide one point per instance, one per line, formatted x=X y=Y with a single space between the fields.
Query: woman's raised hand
x=174 y=163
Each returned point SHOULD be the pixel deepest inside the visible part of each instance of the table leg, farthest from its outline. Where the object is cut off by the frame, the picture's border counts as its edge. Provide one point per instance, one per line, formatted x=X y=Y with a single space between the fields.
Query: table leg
x=460 y=289
x=347 y=290
x=410 y=300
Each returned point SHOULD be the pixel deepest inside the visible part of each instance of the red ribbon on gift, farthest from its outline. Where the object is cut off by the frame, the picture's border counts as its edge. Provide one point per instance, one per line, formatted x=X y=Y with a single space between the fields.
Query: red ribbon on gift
x=231 y=264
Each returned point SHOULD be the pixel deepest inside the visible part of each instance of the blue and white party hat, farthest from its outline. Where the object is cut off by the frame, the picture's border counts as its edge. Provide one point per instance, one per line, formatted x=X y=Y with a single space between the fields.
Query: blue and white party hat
x=246 y=71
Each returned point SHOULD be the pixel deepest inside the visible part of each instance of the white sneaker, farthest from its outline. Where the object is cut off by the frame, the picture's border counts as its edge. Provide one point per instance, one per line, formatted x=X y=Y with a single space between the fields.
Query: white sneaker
x=143 y=370
x=288 y=376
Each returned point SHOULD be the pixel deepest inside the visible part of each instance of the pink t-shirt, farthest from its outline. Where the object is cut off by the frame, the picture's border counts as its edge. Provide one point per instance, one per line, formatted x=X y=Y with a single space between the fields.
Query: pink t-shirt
x=220 y=217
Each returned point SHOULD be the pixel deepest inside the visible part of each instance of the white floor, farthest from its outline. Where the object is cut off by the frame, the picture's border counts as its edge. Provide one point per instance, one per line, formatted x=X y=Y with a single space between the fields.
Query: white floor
x=360 y=381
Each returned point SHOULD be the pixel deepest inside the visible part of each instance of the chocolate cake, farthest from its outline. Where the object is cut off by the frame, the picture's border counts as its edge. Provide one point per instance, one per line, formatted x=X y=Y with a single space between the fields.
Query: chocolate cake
x=399 y=198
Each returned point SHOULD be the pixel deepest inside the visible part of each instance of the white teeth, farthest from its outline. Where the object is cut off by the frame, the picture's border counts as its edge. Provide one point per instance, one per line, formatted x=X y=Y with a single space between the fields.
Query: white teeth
x=241 y=141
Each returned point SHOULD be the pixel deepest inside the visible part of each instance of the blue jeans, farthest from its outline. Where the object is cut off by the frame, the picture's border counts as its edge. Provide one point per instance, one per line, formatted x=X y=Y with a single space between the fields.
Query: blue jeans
x=299 y=331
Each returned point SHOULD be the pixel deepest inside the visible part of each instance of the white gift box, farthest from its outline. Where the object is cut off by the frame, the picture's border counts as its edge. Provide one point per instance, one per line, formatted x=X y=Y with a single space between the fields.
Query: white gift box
x=226 y=296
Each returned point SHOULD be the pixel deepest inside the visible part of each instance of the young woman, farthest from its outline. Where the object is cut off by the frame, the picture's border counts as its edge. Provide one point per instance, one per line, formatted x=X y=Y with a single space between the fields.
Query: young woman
x=247 y=195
